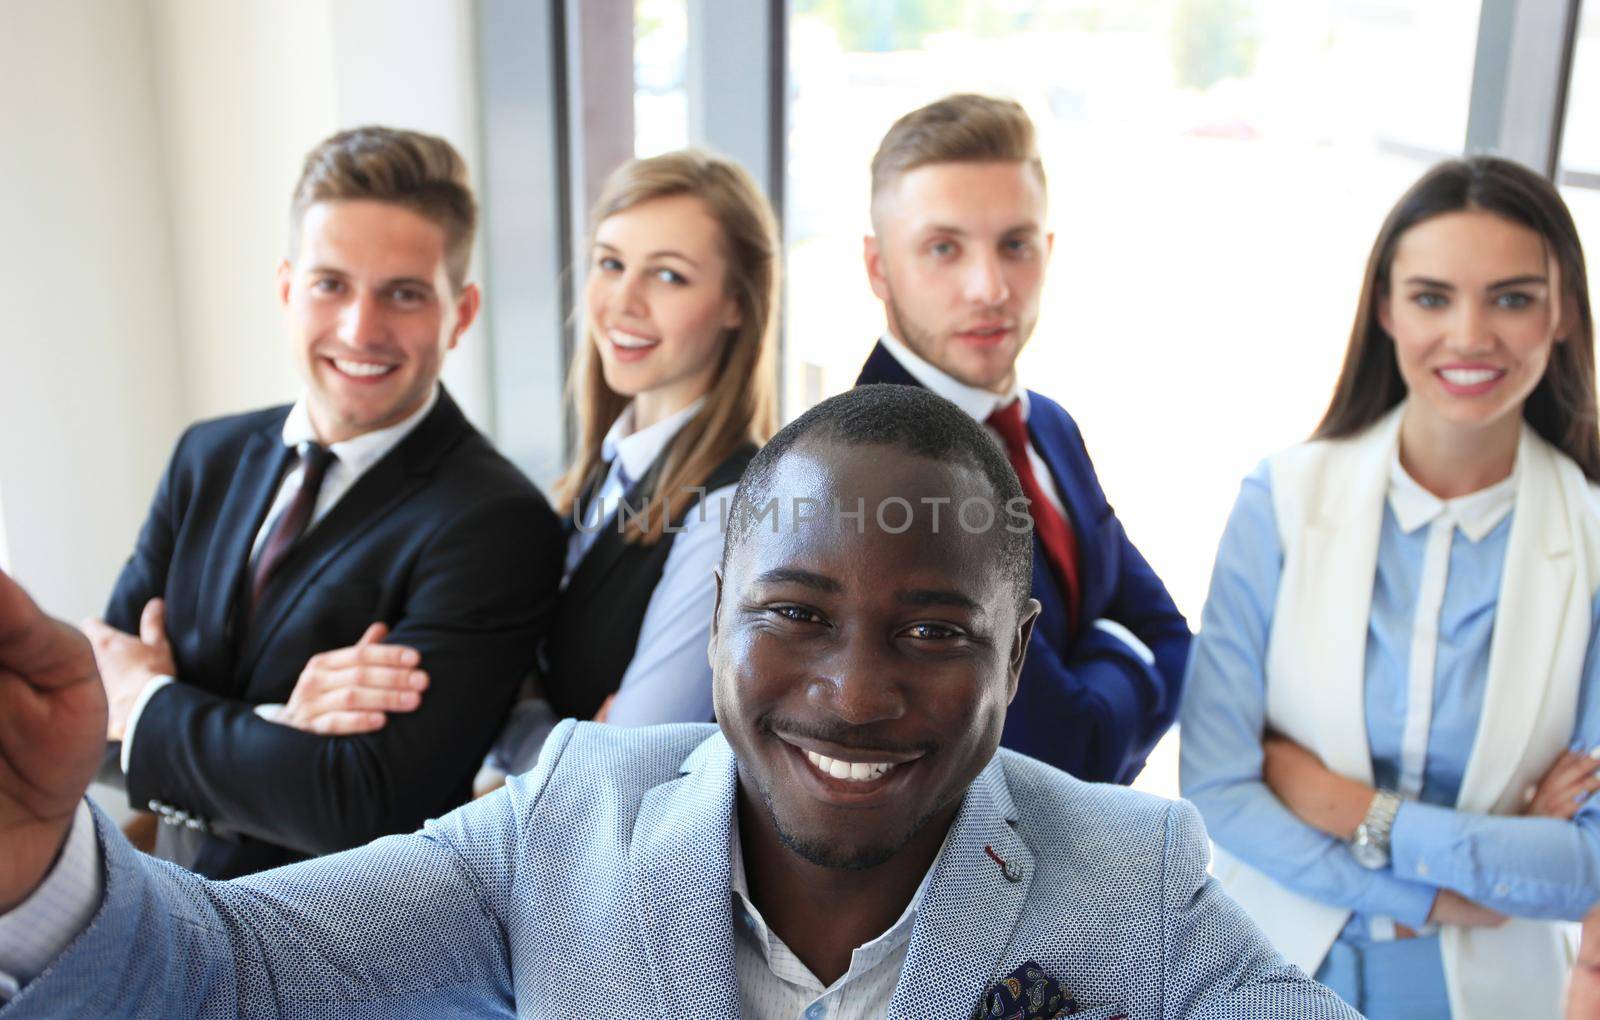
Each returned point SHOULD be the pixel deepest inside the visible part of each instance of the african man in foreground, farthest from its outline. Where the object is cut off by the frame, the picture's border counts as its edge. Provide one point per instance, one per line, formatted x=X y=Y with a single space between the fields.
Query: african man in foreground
x=850 y=844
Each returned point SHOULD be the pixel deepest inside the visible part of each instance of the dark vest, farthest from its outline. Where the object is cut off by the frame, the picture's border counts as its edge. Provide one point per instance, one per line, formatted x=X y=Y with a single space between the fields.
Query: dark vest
x=597 y=620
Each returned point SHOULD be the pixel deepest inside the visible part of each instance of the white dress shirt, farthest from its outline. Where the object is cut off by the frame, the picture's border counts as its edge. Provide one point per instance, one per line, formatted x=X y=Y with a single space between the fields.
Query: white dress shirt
x=980 y=404
x=352 y=459
x=775 y=985
x=669 y=677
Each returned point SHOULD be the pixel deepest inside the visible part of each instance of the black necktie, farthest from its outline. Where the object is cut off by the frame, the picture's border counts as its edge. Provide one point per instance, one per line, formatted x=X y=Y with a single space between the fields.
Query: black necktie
x=294 y=519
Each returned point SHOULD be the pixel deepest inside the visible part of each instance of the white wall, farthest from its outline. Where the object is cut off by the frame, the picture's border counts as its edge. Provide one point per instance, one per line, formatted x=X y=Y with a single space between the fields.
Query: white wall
x=247 y=87
x=149 y=154
x=413 y=64
x=92 y=384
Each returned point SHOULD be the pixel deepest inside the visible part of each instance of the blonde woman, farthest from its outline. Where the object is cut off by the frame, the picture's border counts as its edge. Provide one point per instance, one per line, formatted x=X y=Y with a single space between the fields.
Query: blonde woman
x=674 y=389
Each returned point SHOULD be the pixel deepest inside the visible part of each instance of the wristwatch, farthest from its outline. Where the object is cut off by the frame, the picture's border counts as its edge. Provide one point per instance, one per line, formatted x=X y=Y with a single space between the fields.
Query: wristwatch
x=1370 y=846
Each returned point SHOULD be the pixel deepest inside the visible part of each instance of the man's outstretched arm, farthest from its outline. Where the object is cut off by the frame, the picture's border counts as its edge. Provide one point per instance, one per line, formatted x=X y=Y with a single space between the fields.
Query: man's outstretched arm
x=52 y=735
x=404 y=923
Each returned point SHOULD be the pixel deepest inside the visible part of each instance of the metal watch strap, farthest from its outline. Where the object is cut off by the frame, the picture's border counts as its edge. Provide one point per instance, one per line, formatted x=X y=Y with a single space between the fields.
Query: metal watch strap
x=1379 y=822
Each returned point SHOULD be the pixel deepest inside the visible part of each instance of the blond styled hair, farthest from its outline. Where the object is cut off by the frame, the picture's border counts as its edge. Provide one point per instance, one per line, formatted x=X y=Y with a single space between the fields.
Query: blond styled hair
x=742 y=403
x=419 y=172
x=962 y=128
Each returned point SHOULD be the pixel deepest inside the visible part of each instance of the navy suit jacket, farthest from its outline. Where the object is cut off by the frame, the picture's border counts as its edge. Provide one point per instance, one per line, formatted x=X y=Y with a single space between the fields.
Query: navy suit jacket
x=443 y=539
x=1087 y=703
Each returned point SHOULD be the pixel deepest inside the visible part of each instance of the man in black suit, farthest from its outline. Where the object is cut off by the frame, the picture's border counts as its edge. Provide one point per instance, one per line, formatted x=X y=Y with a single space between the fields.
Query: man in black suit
x=294 y=539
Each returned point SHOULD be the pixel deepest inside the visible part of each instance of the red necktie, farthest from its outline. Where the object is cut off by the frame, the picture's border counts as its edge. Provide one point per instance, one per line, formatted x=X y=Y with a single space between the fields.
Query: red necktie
x=294 y=519
x=1055 y=534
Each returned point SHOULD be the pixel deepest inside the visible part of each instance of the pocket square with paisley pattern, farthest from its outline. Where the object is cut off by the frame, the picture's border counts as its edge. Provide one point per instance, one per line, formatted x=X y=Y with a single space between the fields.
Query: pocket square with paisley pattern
x=1027 y=993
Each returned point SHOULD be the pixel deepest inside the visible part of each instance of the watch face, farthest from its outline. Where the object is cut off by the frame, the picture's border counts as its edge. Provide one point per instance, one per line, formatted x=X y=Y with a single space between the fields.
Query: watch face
x=1367 y=854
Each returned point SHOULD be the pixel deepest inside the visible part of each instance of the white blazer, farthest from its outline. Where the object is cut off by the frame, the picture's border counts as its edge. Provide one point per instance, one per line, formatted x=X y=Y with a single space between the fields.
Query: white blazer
x=1329 y=498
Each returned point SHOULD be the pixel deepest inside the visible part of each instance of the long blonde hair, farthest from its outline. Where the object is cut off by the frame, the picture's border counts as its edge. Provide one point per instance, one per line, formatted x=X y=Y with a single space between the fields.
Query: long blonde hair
x=742 y=403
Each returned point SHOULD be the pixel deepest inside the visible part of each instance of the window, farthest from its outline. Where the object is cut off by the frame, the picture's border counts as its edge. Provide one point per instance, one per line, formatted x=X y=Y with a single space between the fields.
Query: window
x=660 y=75
x=1579 y=176
x=1218 y=170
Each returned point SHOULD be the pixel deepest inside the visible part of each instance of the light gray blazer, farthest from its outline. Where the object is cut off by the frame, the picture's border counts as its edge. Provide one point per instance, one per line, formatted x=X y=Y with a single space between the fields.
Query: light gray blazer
x=597 y=885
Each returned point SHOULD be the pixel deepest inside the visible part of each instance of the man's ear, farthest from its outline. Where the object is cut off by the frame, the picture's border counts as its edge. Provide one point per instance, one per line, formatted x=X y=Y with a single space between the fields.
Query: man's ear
x=716 y=611
x=1019 y=650
x=467 y=304
x=285 y=281
x=872 y=256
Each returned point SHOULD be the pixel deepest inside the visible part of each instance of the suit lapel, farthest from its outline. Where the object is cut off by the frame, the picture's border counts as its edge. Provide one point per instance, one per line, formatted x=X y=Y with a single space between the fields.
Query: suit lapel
x=368 y=501
x=1541 y=606
x=1052 y=443
x=255 y=481
x=967 y=919
x=680 y=860
x=881 y=367
x=386 y=485
x=610 y=545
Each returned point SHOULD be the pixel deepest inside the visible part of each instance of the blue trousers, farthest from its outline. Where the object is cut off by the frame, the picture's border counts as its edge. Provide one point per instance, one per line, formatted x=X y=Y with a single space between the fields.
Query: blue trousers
x=1399 y=980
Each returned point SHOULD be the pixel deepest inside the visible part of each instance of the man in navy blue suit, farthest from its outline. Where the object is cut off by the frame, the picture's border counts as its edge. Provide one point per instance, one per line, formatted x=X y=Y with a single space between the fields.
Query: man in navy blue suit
x=958 y=256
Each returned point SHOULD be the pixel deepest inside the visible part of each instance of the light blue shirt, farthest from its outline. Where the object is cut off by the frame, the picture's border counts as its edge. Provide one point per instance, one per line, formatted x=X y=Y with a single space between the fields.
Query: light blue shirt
x=1525 y=867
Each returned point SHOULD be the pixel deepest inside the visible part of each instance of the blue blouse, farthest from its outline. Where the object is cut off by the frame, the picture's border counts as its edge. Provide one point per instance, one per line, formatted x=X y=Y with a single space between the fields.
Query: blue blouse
x=1525 y=867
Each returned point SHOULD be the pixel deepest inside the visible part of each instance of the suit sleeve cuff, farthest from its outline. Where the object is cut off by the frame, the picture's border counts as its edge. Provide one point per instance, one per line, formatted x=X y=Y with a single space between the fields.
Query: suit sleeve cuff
x=150 y=689
x=269 y=712
x=42 y=926
x=1126 y=718
x=1127 y=637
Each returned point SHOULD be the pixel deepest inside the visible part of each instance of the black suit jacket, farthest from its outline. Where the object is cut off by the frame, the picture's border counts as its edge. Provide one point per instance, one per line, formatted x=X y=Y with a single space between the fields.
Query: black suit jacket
x=443 y=539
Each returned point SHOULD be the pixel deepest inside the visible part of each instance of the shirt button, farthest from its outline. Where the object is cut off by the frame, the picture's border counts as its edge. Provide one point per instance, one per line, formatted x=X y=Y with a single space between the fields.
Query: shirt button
x=1502 y=890
x=817 y=1011
x=1422 y=868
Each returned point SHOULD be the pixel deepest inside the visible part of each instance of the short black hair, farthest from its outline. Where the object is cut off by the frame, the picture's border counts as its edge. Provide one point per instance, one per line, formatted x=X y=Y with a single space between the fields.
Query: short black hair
x=906 y=418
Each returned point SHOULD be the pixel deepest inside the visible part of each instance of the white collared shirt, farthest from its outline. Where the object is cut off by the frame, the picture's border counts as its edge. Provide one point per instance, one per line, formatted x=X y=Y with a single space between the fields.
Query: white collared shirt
x=630 y=454
x=980 y=404
x=775 y=985
x=352 y=459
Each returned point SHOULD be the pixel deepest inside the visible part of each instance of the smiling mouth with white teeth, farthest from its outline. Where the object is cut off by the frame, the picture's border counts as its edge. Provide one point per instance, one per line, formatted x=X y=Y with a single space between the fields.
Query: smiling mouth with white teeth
x=630 y=341
x=1469 y=376
x=361 y=369
x=853 y=771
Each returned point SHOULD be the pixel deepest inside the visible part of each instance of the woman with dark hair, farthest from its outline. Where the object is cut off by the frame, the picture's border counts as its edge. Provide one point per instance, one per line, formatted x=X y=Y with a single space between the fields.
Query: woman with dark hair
x=1396 y=666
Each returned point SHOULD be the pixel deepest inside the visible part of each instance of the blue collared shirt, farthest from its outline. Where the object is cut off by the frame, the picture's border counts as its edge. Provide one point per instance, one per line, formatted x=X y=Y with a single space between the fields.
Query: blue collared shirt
x=1525 y=867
